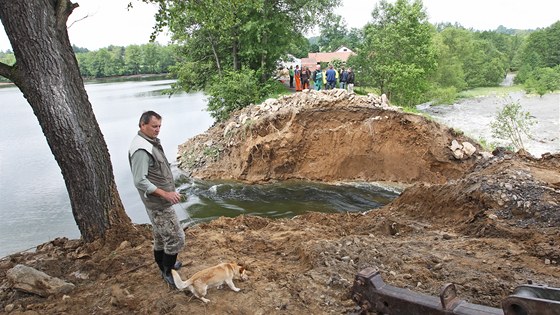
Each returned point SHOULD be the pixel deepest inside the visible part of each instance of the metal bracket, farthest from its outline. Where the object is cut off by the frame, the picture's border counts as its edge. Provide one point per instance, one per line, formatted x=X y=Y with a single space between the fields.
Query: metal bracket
x=372 y=295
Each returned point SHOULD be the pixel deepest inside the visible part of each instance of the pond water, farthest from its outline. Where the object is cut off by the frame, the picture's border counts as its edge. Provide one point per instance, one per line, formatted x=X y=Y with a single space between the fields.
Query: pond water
x=28 y=167
x=210 y=199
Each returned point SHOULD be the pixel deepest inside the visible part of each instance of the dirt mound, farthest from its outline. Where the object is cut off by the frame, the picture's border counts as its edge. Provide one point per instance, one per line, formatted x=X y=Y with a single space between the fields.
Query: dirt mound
x=512 y=186
x=487 y=225
x=324 y=136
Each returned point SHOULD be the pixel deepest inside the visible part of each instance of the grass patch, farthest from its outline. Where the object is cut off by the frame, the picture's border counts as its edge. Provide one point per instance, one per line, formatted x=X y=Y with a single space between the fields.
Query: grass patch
x=364 y=90
x=413 y=110
x=487 y=91
x=486 y=145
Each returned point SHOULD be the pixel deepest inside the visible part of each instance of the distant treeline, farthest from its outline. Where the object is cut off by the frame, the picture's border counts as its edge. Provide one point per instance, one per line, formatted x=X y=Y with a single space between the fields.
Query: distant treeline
x=149 y=58
x=112 y=61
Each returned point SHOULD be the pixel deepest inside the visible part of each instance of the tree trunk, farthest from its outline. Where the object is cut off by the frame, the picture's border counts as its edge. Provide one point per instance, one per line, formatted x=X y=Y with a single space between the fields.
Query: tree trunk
x=215 y=53
x=47 y=73
x=235 y=48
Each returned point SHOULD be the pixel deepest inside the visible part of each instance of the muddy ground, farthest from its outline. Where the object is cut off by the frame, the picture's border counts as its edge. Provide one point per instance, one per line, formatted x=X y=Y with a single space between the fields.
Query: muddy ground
x=486 y=224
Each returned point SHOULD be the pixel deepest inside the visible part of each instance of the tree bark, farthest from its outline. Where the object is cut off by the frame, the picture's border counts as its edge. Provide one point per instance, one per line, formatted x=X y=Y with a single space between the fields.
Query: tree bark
x=47 y=73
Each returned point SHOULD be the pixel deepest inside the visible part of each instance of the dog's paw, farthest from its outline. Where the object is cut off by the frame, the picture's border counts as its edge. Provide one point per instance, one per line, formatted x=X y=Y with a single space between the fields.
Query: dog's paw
x=205 y=300
x=236 y=289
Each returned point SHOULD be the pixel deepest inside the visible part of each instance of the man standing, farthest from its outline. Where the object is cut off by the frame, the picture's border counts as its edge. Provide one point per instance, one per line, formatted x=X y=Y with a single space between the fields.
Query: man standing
x=331 y=78
x=350 y=81
x=343 y=78
x=291 y=76
x=154 y=180
x=318 y=78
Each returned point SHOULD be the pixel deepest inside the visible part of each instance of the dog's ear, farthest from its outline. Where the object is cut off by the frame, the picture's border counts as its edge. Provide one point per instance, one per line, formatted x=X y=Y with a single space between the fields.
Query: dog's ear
x=241 y=267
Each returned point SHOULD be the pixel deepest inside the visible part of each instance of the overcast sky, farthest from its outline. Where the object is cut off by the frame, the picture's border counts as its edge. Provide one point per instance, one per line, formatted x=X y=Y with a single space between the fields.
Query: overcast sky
x=110 y=23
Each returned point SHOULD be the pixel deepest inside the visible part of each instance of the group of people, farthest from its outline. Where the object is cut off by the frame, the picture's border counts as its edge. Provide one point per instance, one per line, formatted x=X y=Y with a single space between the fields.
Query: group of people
x=322 y=79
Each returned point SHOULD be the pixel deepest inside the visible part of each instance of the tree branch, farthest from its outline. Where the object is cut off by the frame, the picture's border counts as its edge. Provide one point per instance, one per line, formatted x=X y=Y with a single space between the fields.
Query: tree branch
x=7 y=71
x=78 y=20
x=63 y=10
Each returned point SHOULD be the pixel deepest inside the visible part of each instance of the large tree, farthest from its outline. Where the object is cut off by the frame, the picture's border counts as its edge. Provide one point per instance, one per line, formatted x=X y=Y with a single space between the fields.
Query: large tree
x=47 y=73
x=219 y=35
x=398 y=52
x=333 y=33
x=541 y=50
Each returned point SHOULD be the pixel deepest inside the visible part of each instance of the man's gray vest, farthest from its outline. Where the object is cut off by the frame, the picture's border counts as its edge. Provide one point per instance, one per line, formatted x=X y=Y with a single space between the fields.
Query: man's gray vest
x=159 y=173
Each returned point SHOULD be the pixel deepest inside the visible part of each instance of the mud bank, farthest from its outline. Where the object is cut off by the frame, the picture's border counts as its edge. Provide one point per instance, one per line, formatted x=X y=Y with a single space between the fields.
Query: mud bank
x=324 y=136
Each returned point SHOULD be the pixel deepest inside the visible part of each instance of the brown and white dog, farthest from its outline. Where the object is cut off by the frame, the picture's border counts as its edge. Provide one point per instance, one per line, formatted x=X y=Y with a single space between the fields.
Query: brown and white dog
x=211 y=277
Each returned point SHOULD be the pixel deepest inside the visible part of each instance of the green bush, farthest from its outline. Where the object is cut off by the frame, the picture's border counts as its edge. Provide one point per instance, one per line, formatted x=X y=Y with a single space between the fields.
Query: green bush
x=446 y=95
x=543 y=80
x=234 y=90
x=513 y=124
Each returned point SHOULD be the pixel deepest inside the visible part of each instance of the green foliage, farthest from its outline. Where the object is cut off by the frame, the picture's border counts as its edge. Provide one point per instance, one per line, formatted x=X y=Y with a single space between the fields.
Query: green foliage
x=234 y=90
x=337 y=64
x=118 y=60
x=212 y=152
x=225 y=35
x=502 y=91
x=314 y=48
x=487 y=146
x=541 y=50
x=543 y=80
x=7 y=58
x=334 y=33
x=77 y=49
x=455 y=132
x=230 y=48
x=513 y=124
x=300 y=46
x=468 y=59
x=398 y=55
x=443 y=95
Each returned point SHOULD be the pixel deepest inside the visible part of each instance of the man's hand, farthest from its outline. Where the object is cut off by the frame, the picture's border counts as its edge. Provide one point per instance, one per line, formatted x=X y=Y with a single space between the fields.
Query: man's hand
x=171 y=196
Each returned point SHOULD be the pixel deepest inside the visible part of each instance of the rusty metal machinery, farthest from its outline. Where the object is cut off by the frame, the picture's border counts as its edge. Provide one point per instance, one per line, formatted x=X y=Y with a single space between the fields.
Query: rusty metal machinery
x=372 y=295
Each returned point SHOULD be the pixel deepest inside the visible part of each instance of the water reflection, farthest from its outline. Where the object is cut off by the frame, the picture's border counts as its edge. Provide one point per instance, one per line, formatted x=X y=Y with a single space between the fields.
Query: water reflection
x=211 y=199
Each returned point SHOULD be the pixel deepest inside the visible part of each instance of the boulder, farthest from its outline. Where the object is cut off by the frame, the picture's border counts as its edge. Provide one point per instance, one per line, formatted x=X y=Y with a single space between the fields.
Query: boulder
x=31 y=280
x=468 y=148
x=458 y=154
x=455 y=146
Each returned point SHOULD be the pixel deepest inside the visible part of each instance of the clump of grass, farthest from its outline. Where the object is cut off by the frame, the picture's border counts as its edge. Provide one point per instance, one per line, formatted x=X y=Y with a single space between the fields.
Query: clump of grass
x=486 y=91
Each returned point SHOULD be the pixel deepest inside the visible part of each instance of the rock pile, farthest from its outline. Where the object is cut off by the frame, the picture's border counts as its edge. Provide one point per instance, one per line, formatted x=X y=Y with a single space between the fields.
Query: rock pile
x=516 y=193
x=462 y=151
x=507 y=186
x=307 y=99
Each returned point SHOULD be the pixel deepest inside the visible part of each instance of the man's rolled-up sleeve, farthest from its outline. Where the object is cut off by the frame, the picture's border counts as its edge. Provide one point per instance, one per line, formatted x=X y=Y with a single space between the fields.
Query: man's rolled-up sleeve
x=139 y=164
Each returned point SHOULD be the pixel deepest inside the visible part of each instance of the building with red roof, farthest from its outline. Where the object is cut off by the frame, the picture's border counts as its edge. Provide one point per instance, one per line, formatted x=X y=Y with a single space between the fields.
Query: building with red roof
x=313 y=59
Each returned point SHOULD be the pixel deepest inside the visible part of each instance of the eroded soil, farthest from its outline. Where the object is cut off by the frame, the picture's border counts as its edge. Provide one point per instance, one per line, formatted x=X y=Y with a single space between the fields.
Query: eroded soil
x=485 y=224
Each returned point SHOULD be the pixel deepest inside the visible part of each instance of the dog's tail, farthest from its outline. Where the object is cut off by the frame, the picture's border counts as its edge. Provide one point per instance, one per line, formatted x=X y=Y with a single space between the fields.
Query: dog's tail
x=179 y=283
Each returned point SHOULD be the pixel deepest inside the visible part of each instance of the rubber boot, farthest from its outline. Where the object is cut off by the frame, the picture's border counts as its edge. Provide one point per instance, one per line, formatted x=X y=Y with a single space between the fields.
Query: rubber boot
x=158 y=257
x=168 y=264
